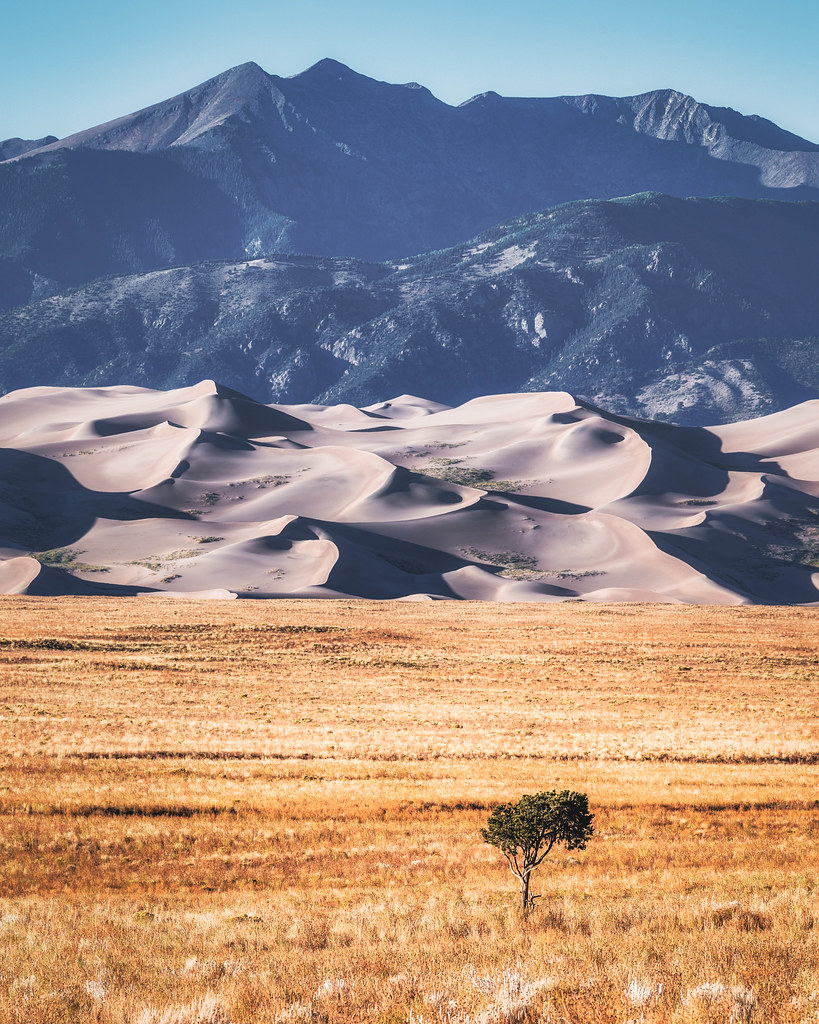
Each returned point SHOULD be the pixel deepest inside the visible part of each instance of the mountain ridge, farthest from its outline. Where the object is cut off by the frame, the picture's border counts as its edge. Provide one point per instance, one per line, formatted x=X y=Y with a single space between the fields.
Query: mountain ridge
x=334 y=163
x=12 y=148
x=676 y=121
x=698 y=311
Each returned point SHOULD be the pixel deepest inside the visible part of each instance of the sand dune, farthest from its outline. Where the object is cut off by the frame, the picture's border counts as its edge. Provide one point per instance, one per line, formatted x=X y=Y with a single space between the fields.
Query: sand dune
x=531 y=497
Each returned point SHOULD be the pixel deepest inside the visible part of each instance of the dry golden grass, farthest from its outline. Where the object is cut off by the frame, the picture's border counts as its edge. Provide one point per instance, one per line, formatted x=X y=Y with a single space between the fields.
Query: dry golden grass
x=256 y=812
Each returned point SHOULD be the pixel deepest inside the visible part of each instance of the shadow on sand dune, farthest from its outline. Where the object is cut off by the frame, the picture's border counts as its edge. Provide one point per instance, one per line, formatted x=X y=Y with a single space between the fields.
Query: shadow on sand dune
x=43 y=508
x=377 y=566
x=752 y=555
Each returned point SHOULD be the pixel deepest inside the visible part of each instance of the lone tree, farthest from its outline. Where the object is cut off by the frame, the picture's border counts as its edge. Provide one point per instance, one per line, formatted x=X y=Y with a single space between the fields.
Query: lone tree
x=526 y=831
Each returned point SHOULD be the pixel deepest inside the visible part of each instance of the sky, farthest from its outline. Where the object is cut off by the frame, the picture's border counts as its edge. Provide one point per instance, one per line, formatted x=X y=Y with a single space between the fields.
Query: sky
x=65 y=66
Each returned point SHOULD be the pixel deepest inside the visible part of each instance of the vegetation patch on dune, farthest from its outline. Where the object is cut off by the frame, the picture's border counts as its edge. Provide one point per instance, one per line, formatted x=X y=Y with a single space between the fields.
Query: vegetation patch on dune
x=66 y=558
x=454 y=472
x=517 y=566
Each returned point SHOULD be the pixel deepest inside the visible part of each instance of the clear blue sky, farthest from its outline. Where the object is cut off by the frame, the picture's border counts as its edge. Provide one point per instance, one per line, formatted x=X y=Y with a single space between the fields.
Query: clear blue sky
x=70 y=64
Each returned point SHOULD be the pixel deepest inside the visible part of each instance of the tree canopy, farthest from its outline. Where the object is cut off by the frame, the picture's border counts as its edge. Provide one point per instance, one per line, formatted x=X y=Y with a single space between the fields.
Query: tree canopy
x=525 y=832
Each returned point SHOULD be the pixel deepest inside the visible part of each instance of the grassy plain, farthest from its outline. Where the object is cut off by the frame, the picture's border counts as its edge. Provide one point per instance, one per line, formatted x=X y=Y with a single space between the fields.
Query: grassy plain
x=270 y=811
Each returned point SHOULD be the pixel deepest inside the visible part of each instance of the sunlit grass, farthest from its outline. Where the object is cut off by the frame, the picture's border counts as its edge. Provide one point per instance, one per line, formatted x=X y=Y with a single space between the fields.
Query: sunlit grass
x=256 y=812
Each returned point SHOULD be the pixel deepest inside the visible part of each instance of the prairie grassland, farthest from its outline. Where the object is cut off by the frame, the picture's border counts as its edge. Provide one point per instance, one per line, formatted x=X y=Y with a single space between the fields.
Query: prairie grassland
x=258 y=812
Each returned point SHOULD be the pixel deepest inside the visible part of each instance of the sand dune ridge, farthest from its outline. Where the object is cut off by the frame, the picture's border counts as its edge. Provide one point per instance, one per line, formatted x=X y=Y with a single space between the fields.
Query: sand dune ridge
x=522 y=497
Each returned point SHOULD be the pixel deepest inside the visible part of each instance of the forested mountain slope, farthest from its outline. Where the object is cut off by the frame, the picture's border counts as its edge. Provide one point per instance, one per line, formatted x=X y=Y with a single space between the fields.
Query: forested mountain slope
x=698 y=310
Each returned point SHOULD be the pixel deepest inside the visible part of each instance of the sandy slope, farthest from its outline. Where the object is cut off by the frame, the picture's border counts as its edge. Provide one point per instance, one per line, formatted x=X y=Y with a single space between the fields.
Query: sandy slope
x=508 y=497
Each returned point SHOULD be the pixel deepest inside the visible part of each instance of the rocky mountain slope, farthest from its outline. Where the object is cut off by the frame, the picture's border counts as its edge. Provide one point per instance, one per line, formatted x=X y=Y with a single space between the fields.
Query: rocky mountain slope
x=330 y=162
x=699 y=310
x=11 y=148
x=510 y=497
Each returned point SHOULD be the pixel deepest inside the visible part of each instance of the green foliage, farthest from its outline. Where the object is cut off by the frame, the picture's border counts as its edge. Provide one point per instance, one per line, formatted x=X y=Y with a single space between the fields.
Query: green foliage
x=514 y=564
x=451 y=471
x=517 y=566
x=525 y=832
x=146 y=563
x=57 y=557
x=269 y=480
x=65 y=558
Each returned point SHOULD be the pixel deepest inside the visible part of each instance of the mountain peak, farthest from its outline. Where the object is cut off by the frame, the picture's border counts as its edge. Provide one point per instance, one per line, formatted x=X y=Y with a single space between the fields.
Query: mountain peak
x=248 y=71
x=329 y=69
x=483 y=97
x=328 y=74
x=10 y=148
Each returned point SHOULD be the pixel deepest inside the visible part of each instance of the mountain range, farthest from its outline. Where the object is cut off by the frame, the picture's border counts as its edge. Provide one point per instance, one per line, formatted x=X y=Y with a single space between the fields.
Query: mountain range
x=448 y=251
x=330 y=162
x=326 y=241
x=695 y=310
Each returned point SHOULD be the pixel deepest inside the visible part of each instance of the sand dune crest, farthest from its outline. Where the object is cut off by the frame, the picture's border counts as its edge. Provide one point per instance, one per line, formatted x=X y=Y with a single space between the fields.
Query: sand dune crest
x=533 y=497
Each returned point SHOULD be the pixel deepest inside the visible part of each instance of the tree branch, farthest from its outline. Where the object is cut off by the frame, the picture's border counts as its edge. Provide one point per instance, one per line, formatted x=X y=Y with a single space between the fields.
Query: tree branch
x=513 y=867
x=545 y=853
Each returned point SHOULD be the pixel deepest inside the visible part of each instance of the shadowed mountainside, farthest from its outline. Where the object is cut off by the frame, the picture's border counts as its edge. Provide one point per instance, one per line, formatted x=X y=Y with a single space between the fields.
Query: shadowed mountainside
x=330 y=162
x=11 y=148
x=699 y=310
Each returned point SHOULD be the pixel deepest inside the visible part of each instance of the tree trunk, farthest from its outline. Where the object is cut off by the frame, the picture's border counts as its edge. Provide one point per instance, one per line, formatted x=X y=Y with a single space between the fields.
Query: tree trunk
x=524 y=891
